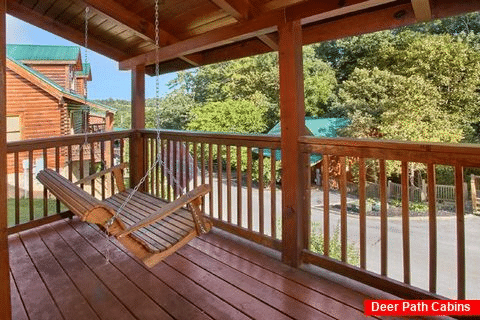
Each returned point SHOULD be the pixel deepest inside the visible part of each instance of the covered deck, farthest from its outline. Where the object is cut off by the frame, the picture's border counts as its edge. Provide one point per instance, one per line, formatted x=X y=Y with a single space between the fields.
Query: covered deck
x=60 y=271
x=259 y=261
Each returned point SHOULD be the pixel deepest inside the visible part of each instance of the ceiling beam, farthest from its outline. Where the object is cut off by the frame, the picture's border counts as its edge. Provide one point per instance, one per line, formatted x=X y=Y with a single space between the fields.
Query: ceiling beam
x=116 y=12
x=239 y=9
x=422 y=10
x=64 y=31
x=258 y=26
x=270 y=41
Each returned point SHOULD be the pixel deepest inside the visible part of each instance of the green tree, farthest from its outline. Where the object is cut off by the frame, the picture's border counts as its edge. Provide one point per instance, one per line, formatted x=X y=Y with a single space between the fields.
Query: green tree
x=228 y=116
x=173 y=111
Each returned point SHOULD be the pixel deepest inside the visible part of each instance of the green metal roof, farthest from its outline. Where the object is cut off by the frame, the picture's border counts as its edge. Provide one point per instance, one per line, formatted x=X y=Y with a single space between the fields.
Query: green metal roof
x=30 y=52
x=318 y=127
x=85 y=72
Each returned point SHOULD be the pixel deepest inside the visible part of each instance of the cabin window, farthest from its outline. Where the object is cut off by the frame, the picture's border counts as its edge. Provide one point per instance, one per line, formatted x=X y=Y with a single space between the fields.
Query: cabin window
x=13 y=128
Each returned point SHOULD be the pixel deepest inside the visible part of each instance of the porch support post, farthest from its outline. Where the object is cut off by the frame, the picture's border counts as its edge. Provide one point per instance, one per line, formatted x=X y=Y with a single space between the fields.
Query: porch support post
x=137 y=163
x=5 y=306
x=292 y=116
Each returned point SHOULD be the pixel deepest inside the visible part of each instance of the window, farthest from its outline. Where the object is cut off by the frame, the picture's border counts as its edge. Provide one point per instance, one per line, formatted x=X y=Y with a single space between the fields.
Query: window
x=13 y=128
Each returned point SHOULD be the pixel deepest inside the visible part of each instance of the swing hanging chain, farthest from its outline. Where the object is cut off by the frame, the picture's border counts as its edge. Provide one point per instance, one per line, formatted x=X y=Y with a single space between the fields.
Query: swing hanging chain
x=85 y=118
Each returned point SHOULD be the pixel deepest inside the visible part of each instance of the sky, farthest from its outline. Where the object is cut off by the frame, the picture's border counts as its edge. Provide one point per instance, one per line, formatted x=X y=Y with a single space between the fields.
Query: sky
x=107 y=80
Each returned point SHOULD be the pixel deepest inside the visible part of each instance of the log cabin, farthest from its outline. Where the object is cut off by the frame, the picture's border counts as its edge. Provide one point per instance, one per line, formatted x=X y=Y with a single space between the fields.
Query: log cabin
x=47 y=98
x=257 y=263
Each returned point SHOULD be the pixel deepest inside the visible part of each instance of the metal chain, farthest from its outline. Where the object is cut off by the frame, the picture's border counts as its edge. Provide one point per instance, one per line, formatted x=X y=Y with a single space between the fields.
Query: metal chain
x=85 y=117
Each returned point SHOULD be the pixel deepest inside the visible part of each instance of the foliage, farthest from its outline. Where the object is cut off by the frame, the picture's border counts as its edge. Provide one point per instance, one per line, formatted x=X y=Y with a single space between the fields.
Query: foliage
x=335 y=245
x=239 y=116
x=172 y=113
x=395 y=107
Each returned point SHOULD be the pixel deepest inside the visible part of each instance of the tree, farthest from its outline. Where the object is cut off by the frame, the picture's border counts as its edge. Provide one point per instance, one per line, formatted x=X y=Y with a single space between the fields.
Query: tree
x=173 y=111
x=228 y=116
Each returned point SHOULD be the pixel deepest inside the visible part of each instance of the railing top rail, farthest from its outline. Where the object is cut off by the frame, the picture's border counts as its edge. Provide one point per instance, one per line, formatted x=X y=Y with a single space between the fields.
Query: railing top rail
x=439 y=153
x=253 y=140
x=61 y=141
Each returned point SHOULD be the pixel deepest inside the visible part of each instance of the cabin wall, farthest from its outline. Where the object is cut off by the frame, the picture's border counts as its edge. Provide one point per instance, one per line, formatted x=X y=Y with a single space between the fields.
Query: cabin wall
x=80 y=86
x=55 y=72
x=40 y=115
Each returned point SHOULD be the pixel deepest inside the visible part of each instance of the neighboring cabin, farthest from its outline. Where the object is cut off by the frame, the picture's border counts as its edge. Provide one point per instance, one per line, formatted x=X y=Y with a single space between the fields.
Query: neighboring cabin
x=322 y=128
x=46 y=88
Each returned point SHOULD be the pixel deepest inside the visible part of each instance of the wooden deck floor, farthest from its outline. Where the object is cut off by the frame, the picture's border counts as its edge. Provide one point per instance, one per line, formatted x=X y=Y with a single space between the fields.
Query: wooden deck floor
x=59 y=271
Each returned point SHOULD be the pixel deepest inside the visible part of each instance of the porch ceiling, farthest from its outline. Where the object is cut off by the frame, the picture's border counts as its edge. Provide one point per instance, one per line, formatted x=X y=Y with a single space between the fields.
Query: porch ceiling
x=199 y=32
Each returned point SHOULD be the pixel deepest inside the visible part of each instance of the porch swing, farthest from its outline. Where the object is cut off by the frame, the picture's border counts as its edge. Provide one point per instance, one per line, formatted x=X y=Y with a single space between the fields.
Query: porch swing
x=149 y=227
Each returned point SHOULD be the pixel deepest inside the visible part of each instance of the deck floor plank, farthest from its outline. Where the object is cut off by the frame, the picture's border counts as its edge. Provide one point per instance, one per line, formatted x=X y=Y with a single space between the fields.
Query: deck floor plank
x=323 y=286
x=132 y=297
x=293 y=289
x=67 y=297
x=18 y=310
x=102 y=300
x=276 y=299
x=213 y=277
x=174 y=303
x=37 y=300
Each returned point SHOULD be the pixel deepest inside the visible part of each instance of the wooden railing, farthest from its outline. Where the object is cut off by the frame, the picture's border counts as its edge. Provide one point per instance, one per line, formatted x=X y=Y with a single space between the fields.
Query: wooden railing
x=348 y=154
x=246 y=198
x=244 y=193
x=29 y=203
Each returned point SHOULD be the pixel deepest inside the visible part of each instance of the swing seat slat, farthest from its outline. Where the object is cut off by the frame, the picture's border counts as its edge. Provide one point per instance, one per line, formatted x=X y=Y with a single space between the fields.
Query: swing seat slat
x=149 y=227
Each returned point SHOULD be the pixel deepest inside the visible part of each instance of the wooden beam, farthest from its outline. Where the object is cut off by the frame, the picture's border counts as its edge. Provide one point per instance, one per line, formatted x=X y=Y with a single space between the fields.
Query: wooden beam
x=270 y=41
x=6 y=309
x=292 y=117
x=137 y=169
x=370 y=21
x=62 y=30
x=258 y=26
x=422 y=10
x=239 y=9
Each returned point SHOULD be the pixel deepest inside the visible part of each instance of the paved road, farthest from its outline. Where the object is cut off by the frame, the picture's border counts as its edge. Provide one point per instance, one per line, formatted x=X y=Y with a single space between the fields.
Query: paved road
x=446 y=239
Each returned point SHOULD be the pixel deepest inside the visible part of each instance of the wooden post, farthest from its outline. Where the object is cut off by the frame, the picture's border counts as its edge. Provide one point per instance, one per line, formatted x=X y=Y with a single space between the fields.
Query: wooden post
x=294 y=164
x=137 y=163
x=5 y=306
x=473 y=191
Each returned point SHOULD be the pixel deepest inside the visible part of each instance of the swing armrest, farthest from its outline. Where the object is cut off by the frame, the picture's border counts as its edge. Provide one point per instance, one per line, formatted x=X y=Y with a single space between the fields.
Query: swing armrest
x=94 y=176
x=187 y=198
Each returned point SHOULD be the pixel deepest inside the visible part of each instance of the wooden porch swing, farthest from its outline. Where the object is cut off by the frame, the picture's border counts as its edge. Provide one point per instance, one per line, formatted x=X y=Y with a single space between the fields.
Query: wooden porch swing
x=148 y=227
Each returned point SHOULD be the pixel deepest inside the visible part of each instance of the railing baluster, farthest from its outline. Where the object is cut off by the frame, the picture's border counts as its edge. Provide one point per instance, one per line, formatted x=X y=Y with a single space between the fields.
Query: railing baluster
x=239 y=186
x=195 y=165
x=326 y=204
x=432 y=224
x=112 y=163
x=460 y=208
x=405 y=224
x=45 y=193
x=102 y=157
x=188 y=174
x=229 y=184
x=30 y=185
x=17 y=189
x=202 y=161
x=81 y=175
x=181 y=163
x=260 y=192
x=176 y=181
x=70 y=161
x=157 y=169
x=162 y=169
x=273 y=193
x=92 y=166
x=219 y=181
x=169 y=170
x=57 y=168
x=152 y=161
x=210 y=177
x=383 y=218
x=249 y=189
x=363 y=212
x=343 y=210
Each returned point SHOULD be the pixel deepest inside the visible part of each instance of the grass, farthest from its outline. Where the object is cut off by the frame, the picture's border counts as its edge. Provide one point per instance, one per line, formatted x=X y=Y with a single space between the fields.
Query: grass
x=24 y=212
